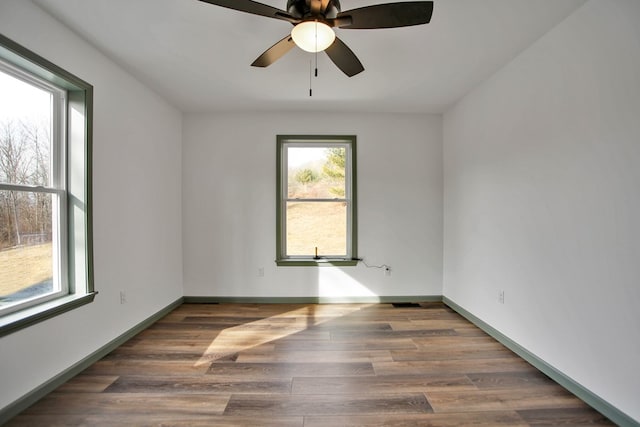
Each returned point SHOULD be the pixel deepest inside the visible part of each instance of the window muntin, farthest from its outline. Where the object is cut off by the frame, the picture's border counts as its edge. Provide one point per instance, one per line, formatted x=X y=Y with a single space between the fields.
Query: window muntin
x=316 y=198
x=32 y=192
x=58 y=183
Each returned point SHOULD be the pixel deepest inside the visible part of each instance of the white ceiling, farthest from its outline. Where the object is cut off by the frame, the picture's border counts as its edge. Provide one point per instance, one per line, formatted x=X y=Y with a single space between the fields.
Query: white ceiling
x=198 y=56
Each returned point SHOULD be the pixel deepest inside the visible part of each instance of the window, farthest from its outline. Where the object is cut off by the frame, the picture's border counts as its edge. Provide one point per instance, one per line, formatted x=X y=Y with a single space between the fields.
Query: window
x=45 y=227
x=316 y=192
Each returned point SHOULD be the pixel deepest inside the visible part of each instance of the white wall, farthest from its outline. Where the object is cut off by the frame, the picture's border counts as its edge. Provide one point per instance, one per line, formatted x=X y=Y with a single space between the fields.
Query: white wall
x=229 y=177
x=137 y=213
x=542 y=200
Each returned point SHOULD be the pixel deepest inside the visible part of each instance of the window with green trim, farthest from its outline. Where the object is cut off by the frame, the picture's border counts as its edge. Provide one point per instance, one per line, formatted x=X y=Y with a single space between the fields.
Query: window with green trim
x=45 y=226
x=316 y=190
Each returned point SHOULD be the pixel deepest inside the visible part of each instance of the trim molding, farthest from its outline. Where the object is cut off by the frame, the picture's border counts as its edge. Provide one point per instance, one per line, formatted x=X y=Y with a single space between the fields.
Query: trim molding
x=591 y=399
x=316 y=263
x=32 y=315
x=310 y=300
x=351 y=190
x=38 y=393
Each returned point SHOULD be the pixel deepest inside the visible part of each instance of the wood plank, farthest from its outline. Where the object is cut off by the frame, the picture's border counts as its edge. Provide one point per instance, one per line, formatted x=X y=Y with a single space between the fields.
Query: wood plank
x=450 y=354
x=176 y=420
x=420 y=324
x=456 y=341
x=517 y=379
x=344 y=345
x=452 y=366
x=477 y=419
x=265 y=406
x=177 y=351
x=290 y=370
x=460 y=344
x=87 y=383
x=246 y=336
x=130 y=403
x=138 y=367
x=155 y=355
x=237 y=320
x=363 y=356
x=206 y=326
x=252 y=338
x=503 y=399
x=195 y=384
x=355 y=335
x=564 y=416
x=380 y=384
x=140 y=343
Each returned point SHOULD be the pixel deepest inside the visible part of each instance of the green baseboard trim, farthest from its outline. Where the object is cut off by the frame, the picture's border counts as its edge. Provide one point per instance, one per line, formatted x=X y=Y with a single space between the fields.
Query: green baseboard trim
x=593 y=400
x=33 y=396
x=311 y=300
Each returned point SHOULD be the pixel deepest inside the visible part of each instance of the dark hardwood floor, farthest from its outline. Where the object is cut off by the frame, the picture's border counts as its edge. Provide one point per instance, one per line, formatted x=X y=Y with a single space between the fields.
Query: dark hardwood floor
x=311 y=365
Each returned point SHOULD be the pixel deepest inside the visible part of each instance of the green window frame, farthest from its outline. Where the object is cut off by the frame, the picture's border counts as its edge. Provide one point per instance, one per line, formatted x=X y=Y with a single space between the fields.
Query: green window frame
x=346 y=199
x=71 y=186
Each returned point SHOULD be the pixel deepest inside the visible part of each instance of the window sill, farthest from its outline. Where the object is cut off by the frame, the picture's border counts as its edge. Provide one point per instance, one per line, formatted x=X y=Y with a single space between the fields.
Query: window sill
x=30 y=316
x=322 y=262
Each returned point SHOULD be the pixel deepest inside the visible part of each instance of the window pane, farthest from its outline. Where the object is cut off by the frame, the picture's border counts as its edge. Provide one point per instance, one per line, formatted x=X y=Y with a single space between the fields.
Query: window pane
x=316 y=224
x=316 y=172
x=26 y=249
x=25 y=129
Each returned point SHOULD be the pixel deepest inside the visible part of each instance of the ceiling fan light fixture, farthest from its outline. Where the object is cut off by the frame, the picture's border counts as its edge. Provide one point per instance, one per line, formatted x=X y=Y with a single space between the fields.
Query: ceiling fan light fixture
x=313 y=36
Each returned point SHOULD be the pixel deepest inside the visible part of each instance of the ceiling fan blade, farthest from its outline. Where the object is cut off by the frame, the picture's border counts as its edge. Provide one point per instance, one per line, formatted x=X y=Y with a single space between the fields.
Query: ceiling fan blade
x=275 y=52
x=389 y=15
x=255 y=8
x=344 y=58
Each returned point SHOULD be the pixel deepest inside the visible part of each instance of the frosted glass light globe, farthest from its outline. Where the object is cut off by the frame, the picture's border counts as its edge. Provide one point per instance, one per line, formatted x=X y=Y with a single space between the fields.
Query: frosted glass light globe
x=313 y=36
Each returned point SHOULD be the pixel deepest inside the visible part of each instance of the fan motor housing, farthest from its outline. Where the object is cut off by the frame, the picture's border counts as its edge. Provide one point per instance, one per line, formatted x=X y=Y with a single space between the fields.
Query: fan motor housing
x=302 y=8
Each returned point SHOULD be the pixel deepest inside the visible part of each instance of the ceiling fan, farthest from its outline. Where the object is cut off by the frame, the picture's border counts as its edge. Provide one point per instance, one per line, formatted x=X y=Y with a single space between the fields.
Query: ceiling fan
x=313 y=21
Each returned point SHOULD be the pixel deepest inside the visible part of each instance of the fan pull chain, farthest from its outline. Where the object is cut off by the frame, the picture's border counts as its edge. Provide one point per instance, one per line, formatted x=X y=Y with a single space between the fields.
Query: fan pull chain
x=310 y=80
x=311 y=64
x=316 y=48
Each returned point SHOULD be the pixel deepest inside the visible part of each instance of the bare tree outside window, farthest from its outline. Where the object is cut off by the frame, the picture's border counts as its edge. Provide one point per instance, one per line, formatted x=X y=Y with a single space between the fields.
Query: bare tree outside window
x=26 y=212
x=46 y=243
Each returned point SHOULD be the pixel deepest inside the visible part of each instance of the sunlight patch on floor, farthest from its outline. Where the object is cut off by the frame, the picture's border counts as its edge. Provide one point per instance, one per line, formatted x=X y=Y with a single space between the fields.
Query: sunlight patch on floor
x=253 y=334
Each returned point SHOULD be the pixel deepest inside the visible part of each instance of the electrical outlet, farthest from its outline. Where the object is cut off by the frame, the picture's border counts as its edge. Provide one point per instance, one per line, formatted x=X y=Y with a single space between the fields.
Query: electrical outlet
x=387 y=270
x=501 y=297
x=260 y=271
x=123 y=297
